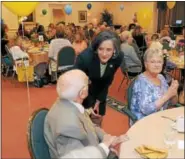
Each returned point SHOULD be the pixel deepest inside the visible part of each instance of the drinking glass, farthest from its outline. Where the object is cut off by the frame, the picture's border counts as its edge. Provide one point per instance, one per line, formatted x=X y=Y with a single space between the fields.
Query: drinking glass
x=170 y=138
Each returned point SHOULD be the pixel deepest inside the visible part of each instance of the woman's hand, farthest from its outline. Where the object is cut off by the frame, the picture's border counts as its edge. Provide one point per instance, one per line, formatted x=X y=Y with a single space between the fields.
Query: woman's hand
x=96 y=107
x=172 y=90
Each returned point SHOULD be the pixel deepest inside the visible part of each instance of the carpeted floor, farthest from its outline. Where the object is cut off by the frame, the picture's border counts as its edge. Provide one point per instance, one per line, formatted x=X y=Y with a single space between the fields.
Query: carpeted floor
x=16 y=112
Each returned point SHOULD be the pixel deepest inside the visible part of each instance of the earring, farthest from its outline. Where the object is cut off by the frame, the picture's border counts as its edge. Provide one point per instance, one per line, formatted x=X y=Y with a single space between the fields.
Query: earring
x=114 y=53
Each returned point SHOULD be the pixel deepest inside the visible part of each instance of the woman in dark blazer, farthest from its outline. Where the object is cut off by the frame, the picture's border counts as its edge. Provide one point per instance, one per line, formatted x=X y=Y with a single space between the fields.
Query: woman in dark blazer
x=100 y=62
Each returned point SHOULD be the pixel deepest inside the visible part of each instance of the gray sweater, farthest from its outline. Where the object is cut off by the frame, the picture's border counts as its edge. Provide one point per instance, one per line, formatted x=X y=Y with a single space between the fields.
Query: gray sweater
x=131 y=58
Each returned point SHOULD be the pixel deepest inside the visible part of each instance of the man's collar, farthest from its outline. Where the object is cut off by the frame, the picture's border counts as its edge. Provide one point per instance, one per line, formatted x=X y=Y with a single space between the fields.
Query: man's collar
x=79 y=107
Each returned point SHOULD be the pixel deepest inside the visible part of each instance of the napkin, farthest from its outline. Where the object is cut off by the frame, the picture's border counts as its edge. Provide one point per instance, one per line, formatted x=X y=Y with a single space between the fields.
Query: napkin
x=151 y=152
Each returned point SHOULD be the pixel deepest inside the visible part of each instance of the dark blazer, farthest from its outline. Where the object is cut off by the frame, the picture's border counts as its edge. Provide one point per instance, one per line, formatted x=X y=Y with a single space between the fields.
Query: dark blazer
x=89 y=62
x=89 y=34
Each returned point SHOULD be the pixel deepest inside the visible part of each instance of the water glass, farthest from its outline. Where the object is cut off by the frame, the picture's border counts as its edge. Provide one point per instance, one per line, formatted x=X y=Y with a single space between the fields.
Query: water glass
x=170 y=138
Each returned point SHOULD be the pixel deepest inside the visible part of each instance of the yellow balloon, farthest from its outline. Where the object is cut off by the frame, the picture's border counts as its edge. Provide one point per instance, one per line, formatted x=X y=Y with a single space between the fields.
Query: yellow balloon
x=21 y=8
x=144 y=17
x=171 y=4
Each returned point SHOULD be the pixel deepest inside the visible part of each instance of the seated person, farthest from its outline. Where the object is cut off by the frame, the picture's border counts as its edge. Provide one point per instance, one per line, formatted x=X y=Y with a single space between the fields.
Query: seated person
x=16 y=51
x=155 y=42
x=55 y=46
x=67 y=125
x=132 y=61
x=79 y=43
x=165 y=40
x=171 y=34
x=132 y=42
x=151 y=92
x=60 y=31
x=4 y=40
x=139 y=38
x=22 y=31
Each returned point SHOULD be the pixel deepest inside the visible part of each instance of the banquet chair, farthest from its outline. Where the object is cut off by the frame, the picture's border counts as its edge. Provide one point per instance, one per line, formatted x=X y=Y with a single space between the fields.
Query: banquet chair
x=65 y=60
x=37 y=145
x=126 y=109
x=9 y=64
x=126 y=77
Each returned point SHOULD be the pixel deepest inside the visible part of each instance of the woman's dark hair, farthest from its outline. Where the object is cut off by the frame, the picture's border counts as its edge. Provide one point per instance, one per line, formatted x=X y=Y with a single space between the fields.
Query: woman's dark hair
x=106 y=35
x=155 y=37
x=131 y=26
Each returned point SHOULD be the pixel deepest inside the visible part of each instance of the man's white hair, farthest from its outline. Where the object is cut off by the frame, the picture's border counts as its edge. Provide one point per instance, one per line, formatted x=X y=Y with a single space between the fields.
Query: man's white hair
x=125 y=35
x=70 y=84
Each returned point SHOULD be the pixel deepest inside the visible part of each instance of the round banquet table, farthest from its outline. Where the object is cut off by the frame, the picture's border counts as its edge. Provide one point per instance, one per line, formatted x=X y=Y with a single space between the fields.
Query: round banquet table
x=150 y=131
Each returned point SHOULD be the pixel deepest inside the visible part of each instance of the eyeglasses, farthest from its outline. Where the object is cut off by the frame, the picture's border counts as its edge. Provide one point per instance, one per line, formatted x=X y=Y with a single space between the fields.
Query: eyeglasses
x=156 y=62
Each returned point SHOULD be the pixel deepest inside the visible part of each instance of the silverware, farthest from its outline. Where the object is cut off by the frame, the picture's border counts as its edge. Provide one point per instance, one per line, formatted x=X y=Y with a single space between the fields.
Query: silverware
x=168 y=118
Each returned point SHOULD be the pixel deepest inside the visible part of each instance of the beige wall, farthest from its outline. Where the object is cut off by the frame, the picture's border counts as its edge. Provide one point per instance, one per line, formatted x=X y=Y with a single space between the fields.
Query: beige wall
x=120 y=17
x=125 y=17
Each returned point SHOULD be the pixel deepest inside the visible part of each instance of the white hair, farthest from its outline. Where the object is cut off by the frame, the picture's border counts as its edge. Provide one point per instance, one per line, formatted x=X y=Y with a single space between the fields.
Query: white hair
x=74 y=85
x=151 y=52
x=125 y=35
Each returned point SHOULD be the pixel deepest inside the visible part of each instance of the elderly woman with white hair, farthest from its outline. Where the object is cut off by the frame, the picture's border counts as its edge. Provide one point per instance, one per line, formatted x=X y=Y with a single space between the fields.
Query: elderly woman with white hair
x=151 y=92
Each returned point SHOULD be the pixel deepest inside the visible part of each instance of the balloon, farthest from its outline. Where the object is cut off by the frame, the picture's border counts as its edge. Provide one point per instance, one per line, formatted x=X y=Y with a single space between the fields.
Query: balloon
x=89 y=6
x=171 y=4
x=121 y=7
x=44 y=11
x=21 y=8
x=144 y=17
x=68 y=9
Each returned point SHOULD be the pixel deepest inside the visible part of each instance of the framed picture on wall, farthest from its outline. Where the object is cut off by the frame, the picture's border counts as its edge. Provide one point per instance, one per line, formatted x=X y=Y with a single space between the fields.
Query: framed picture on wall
x=82 y=16
x=30 y=18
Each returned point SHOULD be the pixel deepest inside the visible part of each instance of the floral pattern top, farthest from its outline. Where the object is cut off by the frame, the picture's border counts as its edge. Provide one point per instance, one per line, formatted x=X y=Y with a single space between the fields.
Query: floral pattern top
x=144 y=95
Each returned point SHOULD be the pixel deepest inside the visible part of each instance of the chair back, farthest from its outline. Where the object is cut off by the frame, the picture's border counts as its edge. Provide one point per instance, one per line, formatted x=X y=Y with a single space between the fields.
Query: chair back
x=9 y=55
x=66 y=57
x=37 y=145
x=166 y=45
x=129 y=92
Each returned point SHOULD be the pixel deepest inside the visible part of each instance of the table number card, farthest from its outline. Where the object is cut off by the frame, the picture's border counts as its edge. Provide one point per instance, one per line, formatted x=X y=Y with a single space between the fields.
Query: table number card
x=172 y=44
x=41 y=38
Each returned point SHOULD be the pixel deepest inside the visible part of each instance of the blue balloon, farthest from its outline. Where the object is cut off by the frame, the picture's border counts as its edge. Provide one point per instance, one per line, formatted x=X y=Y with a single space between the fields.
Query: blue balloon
x=121 y=7
x=68 y=9
x=89 y=6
